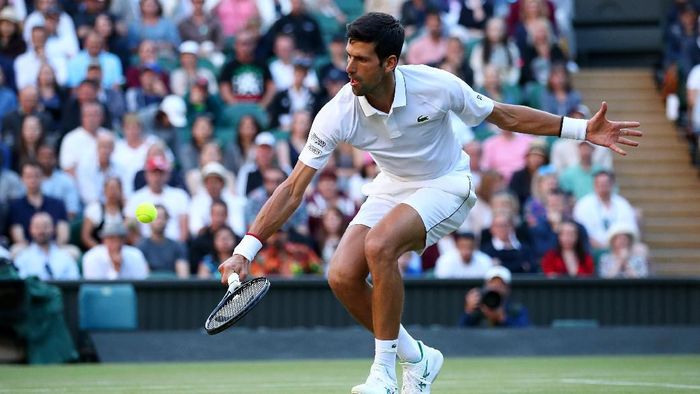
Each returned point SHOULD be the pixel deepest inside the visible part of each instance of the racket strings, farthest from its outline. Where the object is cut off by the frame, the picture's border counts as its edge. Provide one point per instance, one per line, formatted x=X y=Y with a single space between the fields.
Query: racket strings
x=237 y=303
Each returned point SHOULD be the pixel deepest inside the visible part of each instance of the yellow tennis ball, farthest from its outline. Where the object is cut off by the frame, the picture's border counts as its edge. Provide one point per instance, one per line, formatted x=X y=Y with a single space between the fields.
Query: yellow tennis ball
x=146 y=212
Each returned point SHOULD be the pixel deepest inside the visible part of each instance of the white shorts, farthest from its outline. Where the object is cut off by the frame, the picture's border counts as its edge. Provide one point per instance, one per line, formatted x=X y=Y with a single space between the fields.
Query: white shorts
x=443 y=204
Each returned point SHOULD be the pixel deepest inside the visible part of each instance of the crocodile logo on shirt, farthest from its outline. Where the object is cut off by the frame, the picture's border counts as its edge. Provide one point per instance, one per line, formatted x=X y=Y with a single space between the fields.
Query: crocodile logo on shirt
x=422 y=118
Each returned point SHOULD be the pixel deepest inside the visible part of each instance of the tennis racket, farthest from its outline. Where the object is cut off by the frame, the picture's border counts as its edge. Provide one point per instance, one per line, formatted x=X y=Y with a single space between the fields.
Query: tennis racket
x=240 y=299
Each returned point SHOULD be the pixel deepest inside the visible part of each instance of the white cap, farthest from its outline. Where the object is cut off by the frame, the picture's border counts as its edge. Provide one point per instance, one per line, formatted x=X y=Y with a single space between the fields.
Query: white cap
x=214 y=168
x=622 y=228
x=265 y=138
x=176 y=110
x=189 y=47
x=498 y=271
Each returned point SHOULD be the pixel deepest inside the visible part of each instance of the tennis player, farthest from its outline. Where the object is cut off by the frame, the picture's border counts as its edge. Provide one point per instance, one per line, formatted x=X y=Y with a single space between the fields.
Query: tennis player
x=423 y=192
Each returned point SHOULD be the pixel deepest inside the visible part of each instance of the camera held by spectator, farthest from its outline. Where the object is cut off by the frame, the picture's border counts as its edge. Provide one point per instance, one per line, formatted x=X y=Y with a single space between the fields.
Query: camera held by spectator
x=490 y=305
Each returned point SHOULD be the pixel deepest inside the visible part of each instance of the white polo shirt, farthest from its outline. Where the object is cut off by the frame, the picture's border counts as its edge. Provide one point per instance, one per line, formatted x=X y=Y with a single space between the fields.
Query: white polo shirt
x=414 y=141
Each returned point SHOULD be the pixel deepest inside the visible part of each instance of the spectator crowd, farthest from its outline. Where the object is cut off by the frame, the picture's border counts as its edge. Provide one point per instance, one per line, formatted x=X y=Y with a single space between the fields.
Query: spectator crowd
x=203 y=106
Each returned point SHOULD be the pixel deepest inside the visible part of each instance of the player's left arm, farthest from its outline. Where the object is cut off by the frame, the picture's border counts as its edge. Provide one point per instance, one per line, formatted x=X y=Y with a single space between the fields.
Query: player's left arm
x=598 y=130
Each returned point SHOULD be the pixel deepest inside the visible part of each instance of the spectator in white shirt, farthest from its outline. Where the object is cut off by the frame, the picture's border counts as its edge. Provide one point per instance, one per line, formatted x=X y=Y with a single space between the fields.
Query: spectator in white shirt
x=91 y=175
x=43 y=258
x=464 y=261
x=214 y=177
x=81 y=143
x=65 y=29
x=130 y=152
x=27 y=65
x=156 y=191
x=113 y=259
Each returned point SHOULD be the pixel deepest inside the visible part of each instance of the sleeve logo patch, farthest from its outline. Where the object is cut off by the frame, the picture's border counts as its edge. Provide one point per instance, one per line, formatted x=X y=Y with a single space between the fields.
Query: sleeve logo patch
x=317 y=141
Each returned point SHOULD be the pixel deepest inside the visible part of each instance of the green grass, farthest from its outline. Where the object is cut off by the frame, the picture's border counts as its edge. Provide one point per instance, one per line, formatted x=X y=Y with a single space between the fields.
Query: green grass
x=653 y=374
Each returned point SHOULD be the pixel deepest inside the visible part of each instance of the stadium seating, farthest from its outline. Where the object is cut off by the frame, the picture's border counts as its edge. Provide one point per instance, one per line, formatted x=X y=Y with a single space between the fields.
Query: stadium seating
x=107 y=307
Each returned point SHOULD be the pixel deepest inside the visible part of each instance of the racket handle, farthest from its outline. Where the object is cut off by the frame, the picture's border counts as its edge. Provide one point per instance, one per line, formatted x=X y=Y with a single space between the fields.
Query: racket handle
x=233 y=281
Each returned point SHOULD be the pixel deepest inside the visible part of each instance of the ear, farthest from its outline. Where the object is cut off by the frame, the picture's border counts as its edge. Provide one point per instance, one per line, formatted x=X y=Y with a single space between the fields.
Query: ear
x=390 y=63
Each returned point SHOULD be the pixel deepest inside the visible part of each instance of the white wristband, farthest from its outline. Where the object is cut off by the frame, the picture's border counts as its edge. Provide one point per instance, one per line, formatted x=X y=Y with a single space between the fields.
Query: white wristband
x=248 y=247
x=574 y=129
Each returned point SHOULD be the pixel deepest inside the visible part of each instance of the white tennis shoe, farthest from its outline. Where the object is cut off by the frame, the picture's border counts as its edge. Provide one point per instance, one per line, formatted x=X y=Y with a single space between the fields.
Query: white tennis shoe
x=418 y=376
x=379 y=381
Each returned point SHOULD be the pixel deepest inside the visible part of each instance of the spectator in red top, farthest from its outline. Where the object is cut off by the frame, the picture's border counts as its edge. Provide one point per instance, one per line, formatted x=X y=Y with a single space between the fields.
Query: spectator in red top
x=570 y=257
x=286 y=259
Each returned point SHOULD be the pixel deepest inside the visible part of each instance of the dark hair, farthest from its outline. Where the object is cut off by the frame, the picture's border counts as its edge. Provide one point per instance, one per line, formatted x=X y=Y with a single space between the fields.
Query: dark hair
x=218 y=201
x=579 y=246
x=487 y=49
x=609 y=173
x=381 y=29
x=466 y=235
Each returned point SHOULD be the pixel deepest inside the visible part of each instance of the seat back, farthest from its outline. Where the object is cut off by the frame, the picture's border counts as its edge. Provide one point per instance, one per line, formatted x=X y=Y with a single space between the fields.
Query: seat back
x=107 y=307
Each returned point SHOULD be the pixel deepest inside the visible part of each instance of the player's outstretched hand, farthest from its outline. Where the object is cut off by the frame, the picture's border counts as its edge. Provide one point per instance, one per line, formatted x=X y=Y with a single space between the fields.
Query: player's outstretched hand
x=601 y=131
x=235 y=263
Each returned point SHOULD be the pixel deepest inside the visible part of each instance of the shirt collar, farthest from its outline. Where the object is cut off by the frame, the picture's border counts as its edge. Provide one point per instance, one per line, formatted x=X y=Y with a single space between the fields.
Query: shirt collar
x=399 y=96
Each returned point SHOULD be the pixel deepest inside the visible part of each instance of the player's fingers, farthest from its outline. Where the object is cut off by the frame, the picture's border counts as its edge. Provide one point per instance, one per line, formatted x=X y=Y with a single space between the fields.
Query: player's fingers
x=618 y=150
x=626 y=125
x=626 y=141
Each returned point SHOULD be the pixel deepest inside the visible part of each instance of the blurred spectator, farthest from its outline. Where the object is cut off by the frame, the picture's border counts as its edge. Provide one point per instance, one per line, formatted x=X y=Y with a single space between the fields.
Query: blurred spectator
x=497 y=50
x=284 y=258
x=8 y=98
x=27 y=65
x=392 y=7
x=202 y=133
x=521 y=182
x=72 y=113
x=153 y=26
x=284 y=67
x=43 y=258
x=201 y=25
x=58 y=45
x=327 y=9
x=19 y=8
x=413 y=14
x=368 y=171
x=100 y=214
x=602 y=209
x=544 y=183
x=410 y=264
x=22 y=209
x=473 y=149
x=430 y=47
x=87 y=14
x=540 y=53
x=235 y=15
x=159 y=149
x=203 y=243
x=570 y=258
x=201 y=102
x=565 y=152
x=505 y=247
x=681 y=51
x=241 y=150
x=56 y=183
x=43 y=9
x=112 y=74
x=244 y=79
x=11 y=42
x=464 y=261
x=112 y=98
x=148 y=94
x=578 y=178
x=147 y=58
x=215 y=178
x=470 y=14
x=211 y=153
x=298 y=97
x=338 y=59
x=81 y=143
x=331 y=230
x=272 y=178
x=627 y=257
x=113 y=259
x=163 y=254
x=302 y=26
x=185 y=77
x=560 y=97
x=114 y=40
x=250 y=175
x=51 y=95
x=334 y=81
x=10 y=183
x=692 y=95
x=327 y=194
x=455 y=61
x=491 y=306
x=505 y=153
x=164 y=120
x=92 y=174
x=30 y=137
x=507 y=203
x=28 y=105
x=130 y=152
x=288 y=151
x=224 y=241
x=157 y=191
x=524 y=15
x=480 y=217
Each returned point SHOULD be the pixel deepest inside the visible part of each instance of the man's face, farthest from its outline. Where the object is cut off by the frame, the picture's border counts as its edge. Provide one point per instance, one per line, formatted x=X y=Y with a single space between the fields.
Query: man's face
x=465 y=246
x=433 y=25
x=158 y=225
x=214 y=185
x=41 y=229
x=219 y=216
x=46 y=158
x=284 y=46
x=365 y=70
x=264 y=155
x=28 y=98
x=501 y=227
x=156 y=179
x=272 y=179
x=113 y=243
x=327 y=187
x=91 y=117
x=93 y=44
x=602 y=185
x=31 y=177
x=38 y=38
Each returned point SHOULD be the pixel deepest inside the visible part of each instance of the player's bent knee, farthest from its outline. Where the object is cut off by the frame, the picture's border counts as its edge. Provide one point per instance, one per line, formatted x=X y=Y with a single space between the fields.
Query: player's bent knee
x=377 y=248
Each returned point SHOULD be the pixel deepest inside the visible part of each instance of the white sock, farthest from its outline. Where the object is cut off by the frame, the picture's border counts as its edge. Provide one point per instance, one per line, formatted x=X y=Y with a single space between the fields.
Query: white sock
x=385 y=354
x=408 y=349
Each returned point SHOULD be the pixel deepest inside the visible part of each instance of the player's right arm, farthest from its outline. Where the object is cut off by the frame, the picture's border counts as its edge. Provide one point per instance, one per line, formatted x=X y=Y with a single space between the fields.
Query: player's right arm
x=278 y=208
